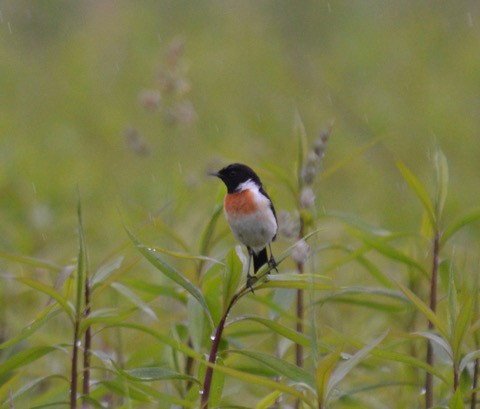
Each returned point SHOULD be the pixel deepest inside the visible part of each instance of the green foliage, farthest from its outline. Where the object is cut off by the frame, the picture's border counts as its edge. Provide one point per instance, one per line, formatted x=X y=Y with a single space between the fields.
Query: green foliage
x=134 y=115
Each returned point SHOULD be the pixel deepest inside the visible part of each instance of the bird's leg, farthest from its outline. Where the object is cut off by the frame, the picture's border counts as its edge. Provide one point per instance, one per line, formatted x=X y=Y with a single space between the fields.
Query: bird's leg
x=250 y=279
x=271 y=262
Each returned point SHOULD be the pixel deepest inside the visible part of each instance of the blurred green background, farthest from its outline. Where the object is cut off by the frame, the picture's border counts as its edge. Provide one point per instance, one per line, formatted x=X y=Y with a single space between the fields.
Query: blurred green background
x=84 y=103
x=132 y=102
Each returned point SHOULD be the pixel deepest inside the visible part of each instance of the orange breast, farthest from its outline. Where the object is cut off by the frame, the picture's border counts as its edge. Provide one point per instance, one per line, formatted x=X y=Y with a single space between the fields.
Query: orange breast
x=240 y=202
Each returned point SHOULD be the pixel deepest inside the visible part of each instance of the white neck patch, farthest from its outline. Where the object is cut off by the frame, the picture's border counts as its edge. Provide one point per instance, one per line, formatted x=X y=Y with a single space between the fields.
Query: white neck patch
x=249 y=184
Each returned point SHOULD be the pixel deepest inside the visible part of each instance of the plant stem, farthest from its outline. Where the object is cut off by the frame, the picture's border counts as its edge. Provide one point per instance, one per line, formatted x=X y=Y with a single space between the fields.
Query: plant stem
x=74 y=374
x=300 y=310
x=207 y=382
x=473 y=400
x=433 y=307
x=88 y=344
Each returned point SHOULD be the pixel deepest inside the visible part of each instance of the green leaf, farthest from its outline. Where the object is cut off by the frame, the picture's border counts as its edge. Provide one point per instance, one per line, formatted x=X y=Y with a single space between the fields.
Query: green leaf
x=105 y=271
x=164 y=339
x=456 y=401
x=216 y=389
x=81 y=264
x=62 y=301
x=344 y=368
x=420 y=191
x=232 y=276
x=294 y=281
x=441 y=172
x=196 y=323
x=171 y=273
x=151 y=373
x=382 y=247
x=24 y=358
x=26 y=389
x=156 y=289
x=185 y=256
x=45 y=316
x=31 y=261
x=134 y=299
x=424 y=309
x=458 y=224
x=438 y=340
x=461 y=326
x=252 y=379
x=323 y=372
x=206 y=239
x=470 y=357
x=269 y=400
x=280 y=329
x=280 y=367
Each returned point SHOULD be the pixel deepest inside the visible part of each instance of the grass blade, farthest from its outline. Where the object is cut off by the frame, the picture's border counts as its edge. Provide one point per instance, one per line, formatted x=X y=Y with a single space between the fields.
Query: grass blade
x=24 y=358
x=278 y=328
x=323 y=373
x=344 y=368
x=419 y=189
x=424 y=309
x=45 y=316
x=458 y=224
x=280 y=366
x=171 y=273
x=232 y=276
x=50 y=291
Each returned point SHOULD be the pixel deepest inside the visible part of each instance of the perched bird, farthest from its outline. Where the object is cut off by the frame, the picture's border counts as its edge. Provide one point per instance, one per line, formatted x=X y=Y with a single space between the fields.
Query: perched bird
x=250 y=213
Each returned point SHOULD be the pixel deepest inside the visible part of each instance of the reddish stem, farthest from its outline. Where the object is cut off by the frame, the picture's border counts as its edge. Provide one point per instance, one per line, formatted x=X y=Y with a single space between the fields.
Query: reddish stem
x=433 y=307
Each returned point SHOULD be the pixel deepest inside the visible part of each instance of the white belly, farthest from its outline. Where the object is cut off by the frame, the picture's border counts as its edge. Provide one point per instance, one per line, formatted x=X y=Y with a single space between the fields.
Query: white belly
x=254 y=231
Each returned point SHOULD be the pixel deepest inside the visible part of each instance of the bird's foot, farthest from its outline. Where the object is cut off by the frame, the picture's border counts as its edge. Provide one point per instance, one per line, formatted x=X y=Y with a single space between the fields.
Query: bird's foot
x=273 y=264
x=250 y=281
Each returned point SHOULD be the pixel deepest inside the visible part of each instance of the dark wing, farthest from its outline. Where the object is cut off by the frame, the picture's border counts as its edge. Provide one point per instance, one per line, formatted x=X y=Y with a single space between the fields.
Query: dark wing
x=262 y=191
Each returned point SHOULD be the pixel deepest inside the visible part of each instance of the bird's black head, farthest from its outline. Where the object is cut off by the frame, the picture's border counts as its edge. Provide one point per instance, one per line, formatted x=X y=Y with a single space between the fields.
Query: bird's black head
x=235 y=174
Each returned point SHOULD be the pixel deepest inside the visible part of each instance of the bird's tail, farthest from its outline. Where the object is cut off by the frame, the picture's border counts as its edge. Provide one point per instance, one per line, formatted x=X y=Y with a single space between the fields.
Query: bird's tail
x=259 y=259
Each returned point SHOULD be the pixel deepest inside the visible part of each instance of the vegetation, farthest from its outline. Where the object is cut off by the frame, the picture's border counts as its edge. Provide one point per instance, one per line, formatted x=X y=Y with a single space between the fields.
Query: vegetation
x=121 y=284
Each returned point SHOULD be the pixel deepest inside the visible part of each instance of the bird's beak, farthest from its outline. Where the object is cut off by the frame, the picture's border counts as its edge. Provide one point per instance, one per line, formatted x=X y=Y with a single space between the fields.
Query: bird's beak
x=212 y=173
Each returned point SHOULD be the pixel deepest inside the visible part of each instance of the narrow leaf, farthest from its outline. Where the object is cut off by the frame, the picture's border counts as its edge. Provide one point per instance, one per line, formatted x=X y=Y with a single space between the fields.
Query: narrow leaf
x=45 y=316
x=62 y=301
x=438 y=340
x=105 y=271
x=380 y=244
x=424 y=309
x=32 y=261
x=456 y=401
x=251 y=379
x=164 y=339
x=171 y=273
x=441 y=172
x=232 y=276
x=206 y=240
x=419 y=189
x=81 y=263
x=278 y=328
x=458 y=224
x=342 y=369
x=280 y=367
x=24 y=358
x=461 y=326
x=323 y=373
x=135 y=299
x=153 y=373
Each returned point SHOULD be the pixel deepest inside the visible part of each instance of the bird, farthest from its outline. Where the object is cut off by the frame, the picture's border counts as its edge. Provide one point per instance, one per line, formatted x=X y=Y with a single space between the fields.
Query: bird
x=250 y=213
